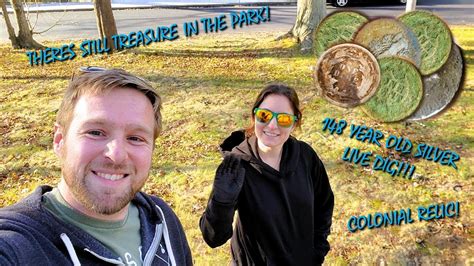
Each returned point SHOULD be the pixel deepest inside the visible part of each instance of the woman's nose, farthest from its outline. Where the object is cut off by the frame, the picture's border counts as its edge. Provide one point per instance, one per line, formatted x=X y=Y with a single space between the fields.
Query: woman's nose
x=273 y=123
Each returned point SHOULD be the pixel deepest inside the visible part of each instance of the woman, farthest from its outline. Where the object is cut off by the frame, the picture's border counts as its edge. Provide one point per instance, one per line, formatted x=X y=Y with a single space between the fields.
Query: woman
x=278 y=185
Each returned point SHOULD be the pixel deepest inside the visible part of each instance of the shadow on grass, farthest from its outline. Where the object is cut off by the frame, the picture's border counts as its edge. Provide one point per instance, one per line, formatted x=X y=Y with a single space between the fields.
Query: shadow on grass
x=29 y=170
x=184 y=82
x=291 y=52
x=182 y=53
x=180 y=168
x=190 y=83
x=36 y=77
x=468 y=54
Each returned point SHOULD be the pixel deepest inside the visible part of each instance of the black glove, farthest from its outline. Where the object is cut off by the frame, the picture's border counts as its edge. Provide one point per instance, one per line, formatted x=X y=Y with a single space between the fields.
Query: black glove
x=229 y=179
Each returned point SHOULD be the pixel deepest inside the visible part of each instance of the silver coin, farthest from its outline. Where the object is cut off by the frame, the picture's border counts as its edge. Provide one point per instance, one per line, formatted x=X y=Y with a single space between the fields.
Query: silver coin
x=441 y=87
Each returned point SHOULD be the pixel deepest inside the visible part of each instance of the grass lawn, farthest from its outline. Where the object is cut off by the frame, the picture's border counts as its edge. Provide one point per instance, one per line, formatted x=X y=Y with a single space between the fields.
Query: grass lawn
x=208 y=84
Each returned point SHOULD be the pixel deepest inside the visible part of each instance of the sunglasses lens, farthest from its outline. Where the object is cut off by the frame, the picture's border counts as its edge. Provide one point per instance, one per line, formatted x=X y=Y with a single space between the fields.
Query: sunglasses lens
x=285 y=120
x=263 y=116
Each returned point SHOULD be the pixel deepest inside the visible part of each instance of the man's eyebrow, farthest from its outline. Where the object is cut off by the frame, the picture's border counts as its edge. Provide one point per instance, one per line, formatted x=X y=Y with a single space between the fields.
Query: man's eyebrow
x=89 y=123
x=93 y=122
x=104 y=122
x=141 y=128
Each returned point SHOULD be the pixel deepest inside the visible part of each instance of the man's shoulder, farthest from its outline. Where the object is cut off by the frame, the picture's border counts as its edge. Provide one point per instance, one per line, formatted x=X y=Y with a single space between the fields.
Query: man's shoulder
x=28 y=219
x=23 y=228
x=26 y=208
x=23 y=238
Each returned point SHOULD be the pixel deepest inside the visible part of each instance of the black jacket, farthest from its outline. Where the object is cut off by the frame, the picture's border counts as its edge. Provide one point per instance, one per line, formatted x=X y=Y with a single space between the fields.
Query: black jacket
x=31 y=235
x=284 y=216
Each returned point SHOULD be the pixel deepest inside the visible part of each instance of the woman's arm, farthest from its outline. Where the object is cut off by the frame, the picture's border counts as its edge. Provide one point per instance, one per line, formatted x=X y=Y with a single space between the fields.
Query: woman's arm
x=323 y=209
x=216 y=221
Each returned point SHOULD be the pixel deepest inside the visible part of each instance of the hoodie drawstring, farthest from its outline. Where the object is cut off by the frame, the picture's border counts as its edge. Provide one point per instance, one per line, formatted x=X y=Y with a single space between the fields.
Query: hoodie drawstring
x=70 y=249
x=167 y=238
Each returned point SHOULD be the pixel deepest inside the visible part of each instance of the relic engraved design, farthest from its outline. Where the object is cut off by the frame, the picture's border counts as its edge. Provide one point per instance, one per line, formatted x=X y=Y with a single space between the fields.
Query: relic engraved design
x=347 y=75
x=399 y=93
x=389 y=37
x=434 y=37
x=391 y=44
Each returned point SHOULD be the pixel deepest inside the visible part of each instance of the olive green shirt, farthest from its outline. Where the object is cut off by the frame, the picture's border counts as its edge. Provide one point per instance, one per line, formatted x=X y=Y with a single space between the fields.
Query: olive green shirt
x=121 y=237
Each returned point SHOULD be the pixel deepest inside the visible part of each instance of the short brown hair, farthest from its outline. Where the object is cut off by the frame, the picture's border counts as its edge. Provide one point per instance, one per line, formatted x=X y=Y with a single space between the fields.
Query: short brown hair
x=279 y=89
x=99 y=82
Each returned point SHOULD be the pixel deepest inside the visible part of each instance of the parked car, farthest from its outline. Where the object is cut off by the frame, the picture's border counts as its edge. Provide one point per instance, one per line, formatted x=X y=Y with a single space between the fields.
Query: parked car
x=344 y=3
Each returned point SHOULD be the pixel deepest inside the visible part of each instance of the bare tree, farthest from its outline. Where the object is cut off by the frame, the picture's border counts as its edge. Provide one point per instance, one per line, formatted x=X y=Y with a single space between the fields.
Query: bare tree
x=309 y=14
x=10 y=29
x=105 y=20
x=24 y=39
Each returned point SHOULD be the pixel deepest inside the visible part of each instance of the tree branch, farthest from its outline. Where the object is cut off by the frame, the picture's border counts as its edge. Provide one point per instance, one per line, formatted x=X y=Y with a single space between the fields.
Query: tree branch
x=52 y=26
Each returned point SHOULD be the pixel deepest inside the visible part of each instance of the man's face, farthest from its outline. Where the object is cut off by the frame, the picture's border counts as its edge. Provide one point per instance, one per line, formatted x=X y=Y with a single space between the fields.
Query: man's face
x=106 y=153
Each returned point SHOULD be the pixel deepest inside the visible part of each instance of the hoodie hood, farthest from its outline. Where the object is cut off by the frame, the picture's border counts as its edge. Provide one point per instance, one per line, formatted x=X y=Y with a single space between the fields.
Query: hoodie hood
x=239 y=145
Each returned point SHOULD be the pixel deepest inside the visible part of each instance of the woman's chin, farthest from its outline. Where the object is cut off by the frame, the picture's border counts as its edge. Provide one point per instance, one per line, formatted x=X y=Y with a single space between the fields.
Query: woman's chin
x=271 y=142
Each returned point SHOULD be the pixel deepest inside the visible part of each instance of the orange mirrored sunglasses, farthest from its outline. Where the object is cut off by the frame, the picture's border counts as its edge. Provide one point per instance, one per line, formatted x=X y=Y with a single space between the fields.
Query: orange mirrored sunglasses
x=264 y=116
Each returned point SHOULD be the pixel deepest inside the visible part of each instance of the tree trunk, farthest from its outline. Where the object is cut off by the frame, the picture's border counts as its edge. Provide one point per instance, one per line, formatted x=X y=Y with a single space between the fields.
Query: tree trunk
x=25 y=34
x=10 y=29
x=411 y=5
x=98 y=16
x=105 y=20
x=308 y=15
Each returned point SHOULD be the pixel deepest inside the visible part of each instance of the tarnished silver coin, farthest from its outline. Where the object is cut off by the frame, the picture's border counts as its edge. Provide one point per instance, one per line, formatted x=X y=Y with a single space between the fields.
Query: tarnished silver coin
x=385 y=37
x=347 y=75
x=399 y=93
x=434 y=37
x=441 y=87
x=338 y=27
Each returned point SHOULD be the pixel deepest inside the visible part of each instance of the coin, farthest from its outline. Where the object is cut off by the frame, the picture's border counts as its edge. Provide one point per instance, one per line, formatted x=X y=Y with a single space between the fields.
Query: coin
x=389 y=37
x=434 y=37
x=339 y=27
x=347 y=75
x=441 y=87
x=399 y=93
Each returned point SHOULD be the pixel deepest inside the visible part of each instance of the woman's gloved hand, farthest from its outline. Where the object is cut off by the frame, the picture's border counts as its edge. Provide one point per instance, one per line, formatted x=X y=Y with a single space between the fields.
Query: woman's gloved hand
x=229 y=179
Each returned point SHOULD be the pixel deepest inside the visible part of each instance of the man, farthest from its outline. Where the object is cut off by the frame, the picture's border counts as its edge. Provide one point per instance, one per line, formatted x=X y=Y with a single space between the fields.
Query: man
x=104 y=136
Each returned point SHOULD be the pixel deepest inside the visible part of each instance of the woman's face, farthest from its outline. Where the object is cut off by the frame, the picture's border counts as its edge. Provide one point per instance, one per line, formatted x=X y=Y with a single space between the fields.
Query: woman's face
x=271 y=135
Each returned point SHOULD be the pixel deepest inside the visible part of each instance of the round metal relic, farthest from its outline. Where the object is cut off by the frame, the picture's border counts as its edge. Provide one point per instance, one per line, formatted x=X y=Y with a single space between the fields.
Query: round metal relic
x=441 y=87
x=338 y=27
x=434 y=37
x=386 y=37
x=399 y=93
x=347 y=75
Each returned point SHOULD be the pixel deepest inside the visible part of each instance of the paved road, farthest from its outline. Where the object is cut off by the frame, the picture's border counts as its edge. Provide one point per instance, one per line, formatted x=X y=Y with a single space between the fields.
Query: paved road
x=81 y=24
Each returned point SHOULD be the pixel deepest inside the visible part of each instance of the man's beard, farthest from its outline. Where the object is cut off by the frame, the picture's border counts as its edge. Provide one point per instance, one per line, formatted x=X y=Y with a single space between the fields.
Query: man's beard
x=84 y=192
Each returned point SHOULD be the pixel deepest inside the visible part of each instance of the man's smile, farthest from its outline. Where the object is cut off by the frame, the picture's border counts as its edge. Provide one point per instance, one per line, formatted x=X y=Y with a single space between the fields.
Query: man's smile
x=112 y=177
